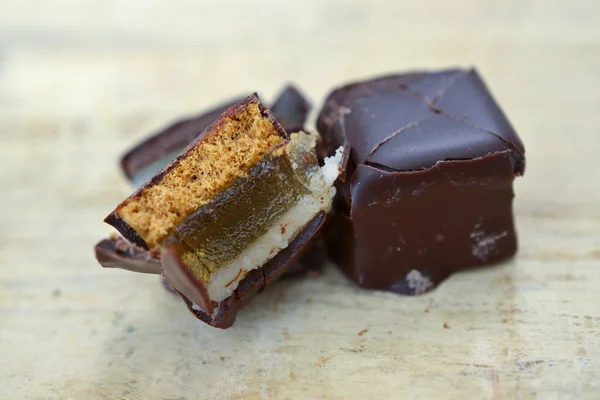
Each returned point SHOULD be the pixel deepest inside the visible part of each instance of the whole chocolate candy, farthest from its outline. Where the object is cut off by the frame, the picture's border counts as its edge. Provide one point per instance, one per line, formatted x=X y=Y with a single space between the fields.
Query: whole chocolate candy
x=429 y=161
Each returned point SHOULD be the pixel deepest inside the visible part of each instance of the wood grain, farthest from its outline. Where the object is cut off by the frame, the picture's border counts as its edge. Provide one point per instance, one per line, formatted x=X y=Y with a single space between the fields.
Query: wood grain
x=82 y=80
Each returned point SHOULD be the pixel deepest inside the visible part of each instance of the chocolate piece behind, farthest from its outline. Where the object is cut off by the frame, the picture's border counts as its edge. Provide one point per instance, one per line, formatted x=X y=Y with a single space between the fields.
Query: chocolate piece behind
x=291 y=109
x=152 y=154
x=428 y=183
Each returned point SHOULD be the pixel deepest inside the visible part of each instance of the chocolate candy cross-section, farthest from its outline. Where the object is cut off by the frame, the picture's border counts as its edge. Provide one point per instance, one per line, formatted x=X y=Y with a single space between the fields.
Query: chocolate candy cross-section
x=426 y=189
x=229 y=214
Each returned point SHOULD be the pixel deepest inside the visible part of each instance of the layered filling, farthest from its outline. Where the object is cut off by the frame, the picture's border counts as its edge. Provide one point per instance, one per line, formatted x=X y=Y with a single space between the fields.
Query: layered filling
x=257 y=216
x=222 y=156
x=233 y=200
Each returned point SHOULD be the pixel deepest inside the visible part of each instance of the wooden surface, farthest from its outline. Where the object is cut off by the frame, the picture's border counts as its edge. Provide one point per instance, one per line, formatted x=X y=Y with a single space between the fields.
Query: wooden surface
x=82 y=80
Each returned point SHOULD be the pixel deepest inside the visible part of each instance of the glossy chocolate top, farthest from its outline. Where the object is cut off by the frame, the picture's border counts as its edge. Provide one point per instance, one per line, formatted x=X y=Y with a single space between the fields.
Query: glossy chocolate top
x=427 y=191
x=412 y=121
x=291 y=109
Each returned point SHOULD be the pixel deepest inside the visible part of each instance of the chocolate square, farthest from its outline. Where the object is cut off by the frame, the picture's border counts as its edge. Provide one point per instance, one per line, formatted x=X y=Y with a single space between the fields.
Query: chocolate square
x=427 y=190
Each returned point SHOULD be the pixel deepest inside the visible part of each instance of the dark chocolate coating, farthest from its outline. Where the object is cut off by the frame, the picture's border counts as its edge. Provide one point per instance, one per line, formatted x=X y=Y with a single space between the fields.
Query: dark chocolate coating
x=252 y=284
x=119 y=253
x=427 y=188
x=127 y=231
x=376 y=116
x=178 y=275
x=312 y=262
x=290 y=108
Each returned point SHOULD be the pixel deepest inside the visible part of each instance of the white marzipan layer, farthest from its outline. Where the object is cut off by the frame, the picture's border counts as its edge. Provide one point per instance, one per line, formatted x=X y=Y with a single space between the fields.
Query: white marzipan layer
x=224 y=282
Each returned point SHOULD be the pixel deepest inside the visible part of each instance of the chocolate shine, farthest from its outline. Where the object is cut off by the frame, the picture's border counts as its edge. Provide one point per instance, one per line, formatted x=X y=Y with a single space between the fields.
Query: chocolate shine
x=429 y=162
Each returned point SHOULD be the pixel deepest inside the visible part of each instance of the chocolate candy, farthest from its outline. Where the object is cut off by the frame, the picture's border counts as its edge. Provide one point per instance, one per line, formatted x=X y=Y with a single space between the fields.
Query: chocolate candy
x=429 y=160
x=153 y=153
x=229 y=214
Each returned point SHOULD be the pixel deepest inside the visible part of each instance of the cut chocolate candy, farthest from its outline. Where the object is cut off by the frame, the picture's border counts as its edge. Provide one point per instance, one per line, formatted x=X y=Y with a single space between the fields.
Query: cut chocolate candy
x=151 y=155
x=426 y=187
x=235 y=199
x=154 y=153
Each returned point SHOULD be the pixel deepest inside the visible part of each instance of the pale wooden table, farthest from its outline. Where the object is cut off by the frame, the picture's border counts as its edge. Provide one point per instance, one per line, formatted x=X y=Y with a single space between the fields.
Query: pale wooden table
x=82 y=80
